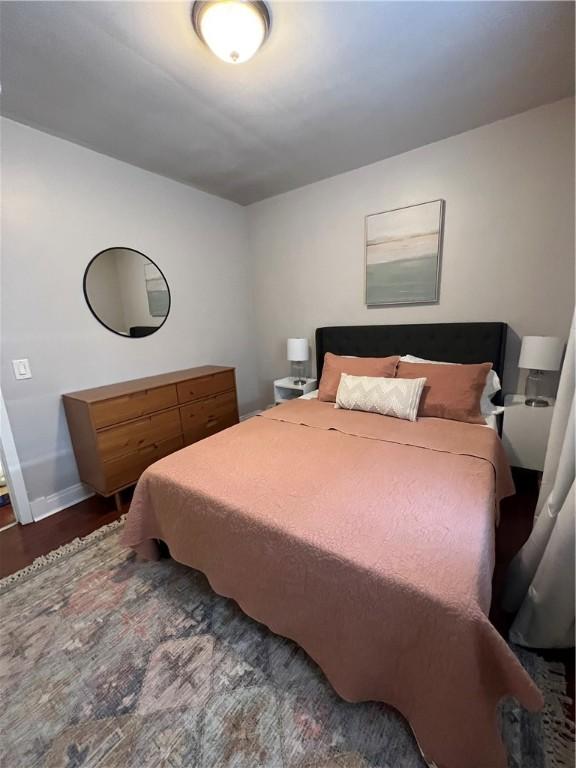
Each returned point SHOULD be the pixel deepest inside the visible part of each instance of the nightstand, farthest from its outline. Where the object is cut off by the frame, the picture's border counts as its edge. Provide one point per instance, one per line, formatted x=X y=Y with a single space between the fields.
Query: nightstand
x=525 y=432
x=285 y=389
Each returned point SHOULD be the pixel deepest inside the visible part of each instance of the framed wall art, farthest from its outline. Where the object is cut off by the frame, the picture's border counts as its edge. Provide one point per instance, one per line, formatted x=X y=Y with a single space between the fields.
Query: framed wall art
x=403 y=252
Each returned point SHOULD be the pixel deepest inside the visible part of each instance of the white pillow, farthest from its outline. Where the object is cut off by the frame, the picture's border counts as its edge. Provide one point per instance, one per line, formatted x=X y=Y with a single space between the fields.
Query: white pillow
x=375 y=394
x=492 y=386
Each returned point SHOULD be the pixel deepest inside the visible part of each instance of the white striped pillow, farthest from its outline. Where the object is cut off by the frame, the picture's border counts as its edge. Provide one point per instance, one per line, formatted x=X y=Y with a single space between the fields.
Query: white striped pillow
x=389 y=397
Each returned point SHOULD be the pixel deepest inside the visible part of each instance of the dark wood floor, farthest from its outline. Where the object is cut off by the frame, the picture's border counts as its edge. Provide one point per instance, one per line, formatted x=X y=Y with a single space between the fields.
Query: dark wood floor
x=6 y=515
x=21 y=544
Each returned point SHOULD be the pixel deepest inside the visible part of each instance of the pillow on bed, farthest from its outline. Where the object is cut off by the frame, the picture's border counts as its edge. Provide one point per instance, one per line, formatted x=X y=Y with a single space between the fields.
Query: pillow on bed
x=387 y=396
x=491 y=387
x=451 y=391
x=335 y=366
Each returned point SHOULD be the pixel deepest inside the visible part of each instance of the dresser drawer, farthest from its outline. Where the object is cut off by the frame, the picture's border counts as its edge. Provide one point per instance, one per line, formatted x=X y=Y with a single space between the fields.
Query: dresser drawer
x=207 y=385
x=128 y=468
x=118 y=409
x=127 y=438
x=208 y=416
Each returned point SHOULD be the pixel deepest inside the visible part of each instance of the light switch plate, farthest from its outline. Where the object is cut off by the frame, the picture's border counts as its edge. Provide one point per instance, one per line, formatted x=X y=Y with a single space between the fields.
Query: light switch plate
x=22 y=369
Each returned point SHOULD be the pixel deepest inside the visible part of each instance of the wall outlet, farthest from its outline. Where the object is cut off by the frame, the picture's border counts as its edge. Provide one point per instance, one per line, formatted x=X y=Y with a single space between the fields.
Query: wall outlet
x=22 y=369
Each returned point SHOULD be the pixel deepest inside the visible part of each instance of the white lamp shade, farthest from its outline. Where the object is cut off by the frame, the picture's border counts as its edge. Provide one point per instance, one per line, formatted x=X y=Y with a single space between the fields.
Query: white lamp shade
x=297 y=350
x=541 y=353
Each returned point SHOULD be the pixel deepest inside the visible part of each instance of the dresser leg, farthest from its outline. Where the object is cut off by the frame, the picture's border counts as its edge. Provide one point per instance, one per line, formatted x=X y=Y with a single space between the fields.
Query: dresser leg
x=118 y=502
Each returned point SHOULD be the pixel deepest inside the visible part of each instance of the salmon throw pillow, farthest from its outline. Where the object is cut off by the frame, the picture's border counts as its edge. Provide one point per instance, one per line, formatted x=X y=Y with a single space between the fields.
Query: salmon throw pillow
x=451 y=391
x=336 y=365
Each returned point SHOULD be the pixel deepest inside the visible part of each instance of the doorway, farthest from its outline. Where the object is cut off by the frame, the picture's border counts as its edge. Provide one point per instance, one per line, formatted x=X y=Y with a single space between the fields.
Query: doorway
x=7 y=516
x=14 y=503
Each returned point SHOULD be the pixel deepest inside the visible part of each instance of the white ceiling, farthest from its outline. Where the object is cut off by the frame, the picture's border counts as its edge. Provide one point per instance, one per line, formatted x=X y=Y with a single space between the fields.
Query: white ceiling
x=338 y=85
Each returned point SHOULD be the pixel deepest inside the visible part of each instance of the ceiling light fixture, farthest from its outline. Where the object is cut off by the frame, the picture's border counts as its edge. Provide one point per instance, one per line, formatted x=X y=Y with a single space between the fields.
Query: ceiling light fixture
x=233 y=29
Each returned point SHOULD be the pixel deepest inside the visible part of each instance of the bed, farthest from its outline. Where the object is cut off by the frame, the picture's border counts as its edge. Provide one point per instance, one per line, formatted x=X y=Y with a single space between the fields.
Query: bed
x=491 y=420
x=366 y=539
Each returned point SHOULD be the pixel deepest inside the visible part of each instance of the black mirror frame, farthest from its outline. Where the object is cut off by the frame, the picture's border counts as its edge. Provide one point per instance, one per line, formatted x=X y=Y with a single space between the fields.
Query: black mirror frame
x=125 y=248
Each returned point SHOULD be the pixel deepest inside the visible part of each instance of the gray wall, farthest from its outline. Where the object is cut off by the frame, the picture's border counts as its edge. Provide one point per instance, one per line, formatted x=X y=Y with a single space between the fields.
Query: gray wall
x=61 y=205
x=508 y=243
x=245 y=279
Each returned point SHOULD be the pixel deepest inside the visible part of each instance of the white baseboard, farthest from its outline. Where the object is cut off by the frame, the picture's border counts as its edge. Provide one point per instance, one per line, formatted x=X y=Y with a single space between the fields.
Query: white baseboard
x=55 y=502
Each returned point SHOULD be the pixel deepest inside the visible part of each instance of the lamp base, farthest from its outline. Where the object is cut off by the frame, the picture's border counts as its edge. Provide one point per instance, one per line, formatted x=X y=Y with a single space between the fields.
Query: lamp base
x=536 y=402
x=298 y=372
x=533 y=390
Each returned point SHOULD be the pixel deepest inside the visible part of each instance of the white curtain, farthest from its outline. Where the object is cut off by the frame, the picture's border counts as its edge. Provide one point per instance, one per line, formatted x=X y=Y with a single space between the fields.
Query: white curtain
x=540 y=582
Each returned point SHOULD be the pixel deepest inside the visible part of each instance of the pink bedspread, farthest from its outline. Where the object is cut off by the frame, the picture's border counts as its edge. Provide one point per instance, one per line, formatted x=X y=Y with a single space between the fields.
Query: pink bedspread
x=366 y=539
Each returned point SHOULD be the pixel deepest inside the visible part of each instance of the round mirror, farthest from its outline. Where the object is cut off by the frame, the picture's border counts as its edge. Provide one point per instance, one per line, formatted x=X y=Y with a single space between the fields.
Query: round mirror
x=126 y=292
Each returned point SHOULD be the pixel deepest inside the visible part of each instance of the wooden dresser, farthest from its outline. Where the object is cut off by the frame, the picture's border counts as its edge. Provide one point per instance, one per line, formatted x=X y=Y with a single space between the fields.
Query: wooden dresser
x=119 y=430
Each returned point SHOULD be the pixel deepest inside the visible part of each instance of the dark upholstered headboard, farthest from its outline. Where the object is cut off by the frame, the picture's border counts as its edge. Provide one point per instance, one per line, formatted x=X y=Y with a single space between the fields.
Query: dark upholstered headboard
x=447 y=342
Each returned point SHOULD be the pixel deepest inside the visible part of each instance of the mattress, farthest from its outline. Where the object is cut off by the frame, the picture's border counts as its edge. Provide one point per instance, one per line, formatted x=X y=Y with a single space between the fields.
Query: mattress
x=366 y=539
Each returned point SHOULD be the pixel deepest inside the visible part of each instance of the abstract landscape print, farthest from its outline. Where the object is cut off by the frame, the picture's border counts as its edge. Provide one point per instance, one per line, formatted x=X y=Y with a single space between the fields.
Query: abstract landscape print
x=403 y=254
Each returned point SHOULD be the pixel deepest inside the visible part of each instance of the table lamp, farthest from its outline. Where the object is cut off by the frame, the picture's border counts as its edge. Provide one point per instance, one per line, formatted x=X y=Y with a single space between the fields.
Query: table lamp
x=298 y=355
x=539 y=354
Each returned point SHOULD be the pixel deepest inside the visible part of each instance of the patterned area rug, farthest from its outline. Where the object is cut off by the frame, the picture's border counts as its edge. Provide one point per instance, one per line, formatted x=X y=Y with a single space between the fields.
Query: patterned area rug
x=111 y=662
